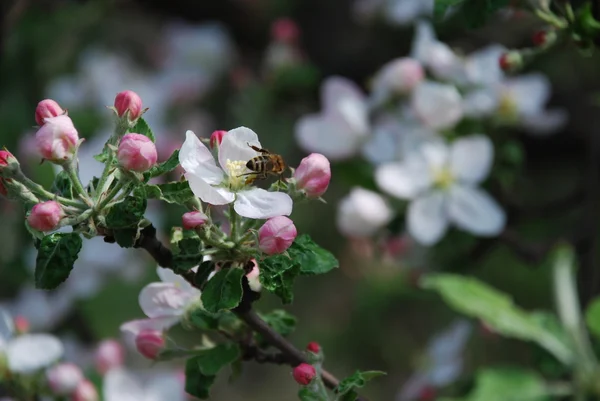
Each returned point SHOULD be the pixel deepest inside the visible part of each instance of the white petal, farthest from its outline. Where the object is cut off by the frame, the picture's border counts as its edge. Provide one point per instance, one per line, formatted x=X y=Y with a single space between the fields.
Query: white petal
x=344 y=100
x=208 y=193
x=32 y=352
x=438 y=106
x=529 y=92
x=473 y=210
x=120 y=385
x=384 y=145
x=471 y=158
x=427 y=219
x=7 y=326
x=168 y=276
x=236 y=146
x=450 y=343
x=404 y=180
x=482 y=66
x=436 y=154
x=545 y=122
x=480 y=103
x=362 y=212
x=195 y=158
x=444 y=373
x=258 y=203
x=403 y=12
x=133 y=327
x=327 y=135
x=424 y=37
x=164 y=299
x=165 y=387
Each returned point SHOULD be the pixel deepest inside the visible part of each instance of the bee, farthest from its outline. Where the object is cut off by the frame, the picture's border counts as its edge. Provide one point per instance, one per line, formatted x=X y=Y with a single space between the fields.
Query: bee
x=265 y=164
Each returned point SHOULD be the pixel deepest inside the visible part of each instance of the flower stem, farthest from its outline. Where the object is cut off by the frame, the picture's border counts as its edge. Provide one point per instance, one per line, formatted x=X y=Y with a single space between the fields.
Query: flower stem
x=71 y=171
x=110 y=195
x=38 y=190
x=233 y=222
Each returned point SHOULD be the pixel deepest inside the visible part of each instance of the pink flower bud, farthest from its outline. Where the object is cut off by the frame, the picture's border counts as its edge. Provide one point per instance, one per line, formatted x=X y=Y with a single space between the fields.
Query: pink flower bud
x=276 y=235
x=109 y=354
x=427 y=393
x=85 y=391
x=313 y=347
x=21 y=324
x=64 y=378
x=511 y=61
x=253 y=277
x=6 y=160
x=128 y=101
x=47 y=108
x=149 y=343
x=304 y=374
x=194 y=219
x=313 y=175
x=216 y=138
x=57 y=139
x=45 y=216
x=285 y=30
x=136 y=153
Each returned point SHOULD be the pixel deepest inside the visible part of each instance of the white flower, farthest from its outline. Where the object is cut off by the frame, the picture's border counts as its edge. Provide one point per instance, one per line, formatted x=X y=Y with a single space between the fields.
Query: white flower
x=403 y=12
x=121 y=385
x=27 y=353
x=340 y=129
x=362 y=212
x=397 y=77
x=441 y=181
x=436 y=55
x=163 y=302
x=226 y=184
x=438 y=106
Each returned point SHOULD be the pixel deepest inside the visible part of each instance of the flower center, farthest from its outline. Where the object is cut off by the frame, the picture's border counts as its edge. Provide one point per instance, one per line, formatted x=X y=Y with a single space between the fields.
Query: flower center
x=507 y=109
x=236 y=170
x=443 y=178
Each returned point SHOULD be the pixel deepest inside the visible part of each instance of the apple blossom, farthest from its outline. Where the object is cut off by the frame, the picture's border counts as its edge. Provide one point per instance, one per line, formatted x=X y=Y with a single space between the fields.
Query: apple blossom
x=109 y=355
x=340 y=129
x=45 y=216
x=45 y=109
x=216 y=138
x=397 y=77
x=193 y=219
x=30 y=353
x=85 y=391
x=224 y=184
x=149 y=343
x=136 y=152
x=276 y=235
x=64 y=378
x=441 y=182
x=57 y=139
x=313 y=175
x=435 y=55
x=120 y=385
x=304 y=374
x=128 y=101
x=362 y=212
x=438 y=106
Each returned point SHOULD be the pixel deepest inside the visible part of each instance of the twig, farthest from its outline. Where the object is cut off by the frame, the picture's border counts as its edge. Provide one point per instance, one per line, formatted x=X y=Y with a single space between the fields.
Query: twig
x=289 y=353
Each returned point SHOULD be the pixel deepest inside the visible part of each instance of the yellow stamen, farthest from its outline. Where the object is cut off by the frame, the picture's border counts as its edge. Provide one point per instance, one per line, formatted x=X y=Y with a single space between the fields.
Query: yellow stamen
x=235 y=170
x=443 y=178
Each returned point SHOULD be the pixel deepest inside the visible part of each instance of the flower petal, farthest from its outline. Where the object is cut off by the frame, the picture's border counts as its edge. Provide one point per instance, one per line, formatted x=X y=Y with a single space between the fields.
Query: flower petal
x=438 y=106
x=471 y=158
x=475 y=211
x=32 y=352
x=258 y=203
x=342 y=99
x=120 y=385
x=427 y=219
x=164 y=299
x=482 y=67
x=362 y=212
x=195 y=158
x=208 y=193
x=168 y=276
x=545 y=122
x=480 y=103
x=166 y=386
x=529 y=92
x=235 y=146
x=327 y=135
x=404 y=180
x=402 y=12
x=133 y=327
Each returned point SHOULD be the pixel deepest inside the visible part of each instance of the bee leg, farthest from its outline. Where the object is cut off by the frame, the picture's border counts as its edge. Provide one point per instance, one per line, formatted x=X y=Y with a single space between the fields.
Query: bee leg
x=257 y=149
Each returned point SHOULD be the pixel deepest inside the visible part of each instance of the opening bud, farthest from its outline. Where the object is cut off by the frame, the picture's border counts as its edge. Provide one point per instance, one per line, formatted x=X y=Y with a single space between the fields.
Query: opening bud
x=285 y=30
x=128 y=101
x=511 y=61
x=253 y=277
x=276 y=235
x=47 y=108
x=313 y=347
x=304 y=374
x=544 y=38
x=21 y=324
x=136 y=153
x=64 y=378
x=85 y=391
x=57 y=139
x=8 y=164
x=194 y=219
x=216 y=138
x=149 y=343
x=313 y=175
x=45 y=216
x=109 y=355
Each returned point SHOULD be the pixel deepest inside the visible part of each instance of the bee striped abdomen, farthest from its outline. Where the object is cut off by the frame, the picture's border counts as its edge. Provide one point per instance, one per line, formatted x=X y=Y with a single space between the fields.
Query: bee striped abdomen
x=260 y=164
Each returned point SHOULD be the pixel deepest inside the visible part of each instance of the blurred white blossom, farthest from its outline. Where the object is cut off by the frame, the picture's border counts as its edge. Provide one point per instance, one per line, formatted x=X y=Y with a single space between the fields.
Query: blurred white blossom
x=122 y=385
x=362 y=212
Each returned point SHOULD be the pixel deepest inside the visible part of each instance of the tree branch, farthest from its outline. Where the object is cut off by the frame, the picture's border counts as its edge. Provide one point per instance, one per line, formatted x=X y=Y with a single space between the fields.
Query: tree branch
x=289 y=353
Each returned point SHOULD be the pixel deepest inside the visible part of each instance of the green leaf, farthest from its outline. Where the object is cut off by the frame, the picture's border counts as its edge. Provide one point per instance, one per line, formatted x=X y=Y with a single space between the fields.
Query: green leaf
x=104 y=156
x=142 y=127
x=62 y=185
x=281 y=321
x=442 y=6
x=128 y=213
x=474 y=13
x=277 y=275
x=172 y=192
x=169 y=354
x=307 y=394
x=187 y=254
x=203 y=320
x=311 y=257
x=167 y=166
x=476 y=299
x=592 y=317
x=212 y=360
x=125 y=237
x=357 y=380
x=197 y=384
x=56 y=255
x=204 y=270
x=223 y=291
x=508 y=384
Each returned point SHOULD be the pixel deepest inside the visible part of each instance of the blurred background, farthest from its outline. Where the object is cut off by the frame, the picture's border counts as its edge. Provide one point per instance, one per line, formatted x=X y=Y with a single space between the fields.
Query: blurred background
x=219 y=65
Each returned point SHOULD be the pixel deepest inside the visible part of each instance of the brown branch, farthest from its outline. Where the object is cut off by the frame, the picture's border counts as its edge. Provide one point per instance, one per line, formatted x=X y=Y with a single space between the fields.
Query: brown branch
x=289 y=353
